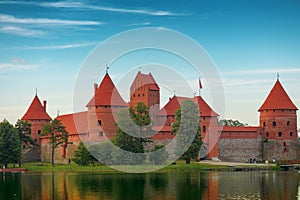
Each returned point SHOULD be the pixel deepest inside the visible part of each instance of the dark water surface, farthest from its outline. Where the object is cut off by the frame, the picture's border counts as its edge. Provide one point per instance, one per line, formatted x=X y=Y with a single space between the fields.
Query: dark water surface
x=201 y=185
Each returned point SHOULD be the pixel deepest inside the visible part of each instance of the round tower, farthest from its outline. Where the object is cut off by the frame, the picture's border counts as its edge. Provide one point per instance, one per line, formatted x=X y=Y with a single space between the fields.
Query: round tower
x=37 y=116
x=103 y=109
x=278 y=115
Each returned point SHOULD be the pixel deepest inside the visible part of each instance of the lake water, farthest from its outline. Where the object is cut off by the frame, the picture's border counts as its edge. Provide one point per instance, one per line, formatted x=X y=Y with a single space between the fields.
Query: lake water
x=201 y=185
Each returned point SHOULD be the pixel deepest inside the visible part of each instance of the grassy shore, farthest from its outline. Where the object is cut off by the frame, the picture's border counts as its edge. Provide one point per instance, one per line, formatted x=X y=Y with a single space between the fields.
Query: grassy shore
x=179 y=167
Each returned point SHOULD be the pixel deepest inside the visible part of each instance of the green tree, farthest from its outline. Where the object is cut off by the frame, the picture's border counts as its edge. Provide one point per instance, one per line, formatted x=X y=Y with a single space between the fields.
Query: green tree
x=57 y=134
x=230 y=122
x=159 y=155
x=24 y=132
x=187 y=131
x=82 y=156
x=134 y=129
x=10 y=144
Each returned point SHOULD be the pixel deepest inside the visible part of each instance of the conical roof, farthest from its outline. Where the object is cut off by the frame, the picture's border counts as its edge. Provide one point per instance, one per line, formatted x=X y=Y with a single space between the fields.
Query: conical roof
x=278 y=99
x=36 y=111
x=107 y=94
x=174 y=103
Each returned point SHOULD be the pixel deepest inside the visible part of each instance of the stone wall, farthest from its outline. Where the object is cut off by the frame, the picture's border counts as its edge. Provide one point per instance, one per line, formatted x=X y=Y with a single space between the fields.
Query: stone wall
x=281 y=150
x=31 y=155
x=239 y=150
x=58 y=157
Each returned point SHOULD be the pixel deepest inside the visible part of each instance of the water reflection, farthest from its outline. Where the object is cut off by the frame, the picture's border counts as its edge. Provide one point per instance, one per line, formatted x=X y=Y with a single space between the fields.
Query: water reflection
x=207 y=185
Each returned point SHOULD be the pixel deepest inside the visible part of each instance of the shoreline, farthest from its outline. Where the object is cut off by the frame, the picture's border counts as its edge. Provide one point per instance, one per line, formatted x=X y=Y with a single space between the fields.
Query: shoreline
x=180 y=166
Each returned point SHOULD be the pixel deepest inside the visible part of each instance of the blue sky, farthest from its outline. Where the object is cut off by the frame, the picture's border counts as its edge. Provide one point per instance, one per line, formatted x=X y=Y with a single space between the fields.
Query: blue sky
x=43 y=45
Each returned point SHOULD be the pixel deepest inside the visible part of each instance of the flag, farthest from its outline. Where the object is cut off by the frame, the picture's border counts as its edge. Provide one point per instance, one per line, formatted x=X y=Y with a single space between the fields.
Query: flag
x=200 y=84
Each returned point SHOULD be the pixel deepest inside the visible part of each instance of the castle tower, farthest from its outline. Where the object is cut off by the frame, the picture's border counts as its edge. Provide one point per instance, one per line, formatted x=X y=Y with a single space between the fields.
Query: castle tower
x=103 y=109
x=278 y=115
x=145 y=89
x=37 y=116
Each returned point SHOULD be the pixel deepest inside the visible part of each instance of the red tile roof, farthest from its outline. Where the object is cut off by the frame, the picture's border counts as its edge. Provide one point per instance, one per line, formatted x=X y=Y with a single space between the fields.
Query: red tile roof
x=75 y=123
x=162 y=128
x=143 y=80
x=278 y=99
x=36 y=111
x=107 y=94
x=173 y=105
x=240 y=128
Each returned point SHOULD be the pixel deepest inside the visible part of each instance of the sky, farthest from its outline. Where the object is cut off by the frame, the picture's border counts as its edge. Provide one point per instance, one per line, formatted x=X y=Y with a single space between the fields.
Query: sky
x=44 y=45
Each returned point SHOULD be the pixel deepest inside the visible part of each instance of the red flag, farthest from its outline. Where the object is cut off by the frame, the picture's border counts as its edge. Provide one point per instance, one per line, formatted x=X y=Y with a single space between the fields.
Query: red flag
x=200 y=84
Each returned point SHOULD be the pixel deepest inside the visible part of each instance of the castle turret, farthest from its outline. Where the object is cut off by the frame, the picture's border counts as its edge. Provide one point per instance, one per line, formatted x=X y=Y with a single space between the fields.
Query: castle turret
x=103 y=109
x=278 y=115
x=37 y=115
x=144 y=89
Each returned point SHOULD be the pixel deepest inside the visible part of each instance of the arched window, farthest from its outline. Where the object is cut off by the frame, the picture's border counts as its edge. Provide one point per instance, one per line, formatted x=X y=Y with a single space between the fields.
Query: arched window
x=288 y=123
x=99 y=122
x=264 y=124
x=274 y=123
x=291 y=134
x=279 y=134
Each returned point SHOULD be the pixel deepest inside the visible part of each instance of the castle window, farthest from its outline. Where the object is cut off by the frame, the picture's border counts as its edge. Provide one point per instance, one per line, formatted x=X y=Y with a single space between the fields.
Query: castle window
x=99 y=122
x=39 y=131
x=279 y=134
x=264 y=123
x=204 y=129
x=288 y=123
x=267 y=134
x=291 y=134
x=284 y=144
x=143 y=95
x=100 y=133
x=274 y=124
x=138 y=95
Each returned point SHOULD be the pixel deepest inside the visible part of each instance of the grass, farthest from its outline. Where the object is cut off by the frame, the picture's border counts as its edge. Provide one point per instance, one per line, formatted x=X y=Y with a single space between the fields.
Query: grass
x=179 y=167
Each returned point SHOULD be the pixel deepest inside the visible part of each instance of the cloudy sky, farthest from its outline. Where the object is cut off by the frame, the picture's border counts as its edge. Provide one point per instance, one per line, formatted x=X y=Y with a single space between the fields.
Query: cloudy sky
x=43 y=45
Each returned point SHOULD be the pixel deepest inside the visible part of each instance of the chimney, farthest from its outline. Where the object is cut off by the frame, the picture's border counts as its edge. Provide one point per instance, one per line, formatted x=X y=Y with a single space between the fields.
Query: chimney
x=45 y=104
x=95 y=87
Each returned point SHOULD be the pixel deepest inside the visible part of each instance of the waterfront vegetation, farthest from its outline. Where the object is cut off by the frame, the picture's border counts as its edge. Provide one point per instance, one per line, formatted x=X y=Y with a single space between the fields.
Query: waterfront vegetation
x=179 y=167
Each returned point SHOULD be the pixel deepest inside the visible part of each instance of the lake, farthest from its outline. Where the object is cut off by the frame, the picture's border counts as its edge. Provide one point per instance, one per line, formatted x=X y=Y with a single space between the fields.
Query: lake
x=173 y=185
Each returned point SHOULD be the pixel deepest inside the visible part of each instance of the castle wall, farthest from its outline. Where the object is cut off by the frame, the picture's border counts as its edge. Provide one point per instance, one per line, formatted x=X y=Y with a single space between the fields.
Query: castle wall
x=240 y=149
x=281 y=150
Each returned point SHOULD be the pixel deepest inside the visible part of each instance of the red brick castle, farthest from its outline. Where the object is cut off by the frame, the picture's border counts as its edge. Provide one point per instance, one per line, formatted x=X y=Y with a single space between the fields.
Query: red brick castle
x=275 y=137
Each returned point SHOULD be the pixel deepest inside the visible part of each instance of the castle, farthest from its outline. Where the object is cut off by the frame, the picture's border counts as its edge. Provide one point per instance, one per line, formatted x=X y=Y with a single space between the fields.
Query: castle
x=275 y=137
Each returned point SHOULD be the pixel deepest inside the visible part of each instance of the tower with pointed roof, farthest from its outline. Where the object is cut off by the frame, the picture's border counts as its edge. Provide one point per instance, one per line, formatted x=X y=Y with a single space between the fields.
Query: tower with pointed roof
x=103 y=109
x=37 y=115
x=278 y=115
x=144 y=89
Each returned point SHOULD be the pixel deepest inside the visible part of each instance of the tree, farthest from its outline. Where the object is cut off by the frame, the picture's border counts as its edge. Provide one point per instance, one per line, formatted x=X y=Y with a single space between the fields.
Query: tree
x=82 y=156
x=187 y=131
x=230 y=122
x=57 y=134
x=160 y=155
x=24 y=132
x=135 y=121
x=10 y=144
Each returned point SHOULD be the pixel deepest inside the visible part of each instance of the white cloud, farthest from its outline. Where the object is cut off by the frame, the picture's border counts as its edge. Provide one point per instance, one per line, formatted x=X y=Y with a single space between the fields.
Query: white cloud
x=58 y=47
x=17 y=64
x=45 y=21
x=264 y=71
x=140 y=24
x=81 y=5
x=21 y=31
